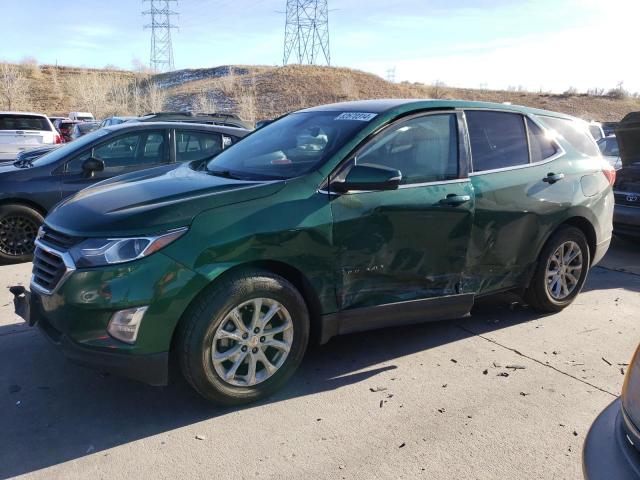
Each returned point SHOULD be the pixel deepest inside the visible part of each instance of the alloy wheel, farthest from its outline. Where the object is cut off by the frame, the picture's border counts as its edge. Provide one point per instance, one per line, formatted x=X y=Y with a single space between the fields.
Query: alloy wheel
x=17 y=235
x=564 y=269
x=252 y=342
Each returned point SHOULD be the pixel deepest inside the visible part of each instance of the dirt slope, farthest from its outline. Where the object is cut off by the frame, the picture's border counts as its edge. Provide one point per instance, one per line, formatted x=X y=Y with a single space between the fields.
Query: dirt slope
x=258 y=92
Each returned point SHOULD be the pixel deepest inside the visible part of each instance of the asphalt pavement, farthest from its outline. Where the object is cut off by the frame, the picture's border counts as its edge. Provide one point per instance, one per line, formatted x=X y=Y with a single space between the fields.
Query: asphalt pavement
x=506 y=393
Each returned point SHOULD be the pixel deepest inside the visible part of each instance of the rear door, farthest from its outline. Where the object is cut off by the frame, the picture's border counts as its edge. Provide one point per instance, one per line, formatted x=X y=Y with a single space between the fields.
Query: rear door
x=411 y=243
x=21 y=132
x=513 y=160
x=123 y=154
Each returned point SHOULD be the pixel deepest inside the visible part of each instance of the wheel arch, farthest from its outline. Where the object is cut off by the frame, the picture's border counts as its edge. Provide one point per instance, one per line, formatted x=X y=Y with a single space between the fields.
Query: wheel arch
x=578 y=221
x=25 y=203
x=288 y=272
x=584 y=225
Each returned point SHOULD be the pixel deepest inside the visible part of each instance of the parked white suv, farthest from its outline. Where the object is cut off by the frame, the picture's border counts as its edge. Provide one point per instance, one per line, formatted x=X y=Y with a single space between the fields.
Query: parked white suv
x=81 y=116
x=22 y=131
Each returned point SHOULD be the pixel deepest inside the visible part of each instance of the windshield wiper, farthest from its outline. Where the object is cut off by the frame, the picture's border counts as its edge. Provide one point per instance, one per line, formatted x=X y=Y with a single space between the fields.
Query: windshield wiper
x=224 y=174
x=25 y=163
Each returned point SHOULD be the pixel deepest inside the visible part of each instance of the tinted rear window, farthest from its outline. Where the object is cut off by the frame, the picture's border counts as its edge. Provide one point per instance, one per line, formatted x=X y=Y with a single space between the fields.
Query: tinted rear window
x=575 y=133
x=542 y=147
x=24 y=122
x=498 y=140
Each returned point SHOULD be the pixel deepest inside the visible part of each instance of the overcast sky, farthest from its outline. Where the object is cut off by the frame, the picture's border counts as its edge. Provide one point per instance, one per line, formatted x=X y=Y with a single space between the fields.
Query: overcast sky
x=537 y=44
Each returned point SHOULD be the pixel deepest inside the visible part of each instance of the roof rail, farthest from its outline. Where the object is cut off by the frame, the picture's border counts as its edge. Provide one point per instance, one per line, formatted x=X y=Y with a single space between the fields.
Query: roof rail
x=184 y=114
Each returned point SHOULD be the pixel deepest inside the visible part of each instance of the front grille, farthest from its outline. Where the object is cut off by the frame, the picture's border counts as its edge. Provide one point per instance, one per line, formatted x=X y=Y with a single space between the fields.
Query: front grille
x=57 y=240
x=48 y=269
x=49 y=265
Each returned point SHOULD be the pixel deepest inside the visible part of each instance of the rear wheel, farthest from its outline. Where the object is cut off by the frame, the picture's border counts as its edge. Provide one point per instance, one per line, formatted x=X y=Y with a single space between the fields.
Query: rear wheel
x=18 y=230
x=243 y=338
x=561 y=271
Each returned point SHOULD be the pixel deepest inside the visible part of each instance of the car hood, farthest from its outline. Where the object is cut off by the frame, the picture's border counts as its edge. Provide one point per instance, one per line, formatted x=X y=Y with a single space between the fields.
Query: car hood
x=628 y=135
x=8 y=167
x=151 y=201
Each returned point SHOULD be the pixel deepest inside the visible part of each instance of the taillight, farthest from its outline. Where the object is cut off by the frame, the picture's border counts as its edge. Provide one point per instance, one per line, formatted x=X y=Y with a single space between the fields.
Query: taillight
x=57 y=139
x=610 y=173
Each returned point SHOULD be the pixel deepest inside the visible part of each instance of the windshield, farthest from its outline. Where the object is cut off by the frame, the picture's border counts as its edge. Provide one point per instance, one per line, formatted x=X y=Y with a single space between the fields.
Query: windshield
x=289 y=147
x=70 y=148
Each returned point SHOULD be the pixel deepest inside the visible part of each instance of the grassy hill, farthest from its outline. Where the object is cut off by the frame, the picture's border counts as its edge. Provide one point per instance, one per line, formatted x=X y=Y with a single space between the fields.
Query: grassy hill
x=259 y=92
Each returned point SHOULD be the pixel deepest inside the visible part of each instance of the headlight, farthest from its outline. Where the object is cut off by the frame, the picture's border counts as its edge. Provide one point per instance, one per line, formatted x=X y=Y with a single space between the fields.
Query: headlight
x=97 y=252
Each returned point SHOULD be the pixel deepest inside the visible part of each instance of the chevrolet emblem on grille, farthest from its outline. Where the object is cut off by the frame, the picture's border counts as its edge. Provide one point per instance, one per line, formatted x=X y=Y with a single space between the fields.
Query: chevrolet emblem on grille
x=632 y=198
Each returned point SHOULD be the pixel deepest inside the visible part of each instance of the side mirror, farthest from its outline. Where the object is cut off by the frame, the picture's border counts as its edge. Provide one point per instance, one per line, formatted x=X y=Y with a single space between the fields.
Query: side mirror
x=92 y=165
x=369 y=177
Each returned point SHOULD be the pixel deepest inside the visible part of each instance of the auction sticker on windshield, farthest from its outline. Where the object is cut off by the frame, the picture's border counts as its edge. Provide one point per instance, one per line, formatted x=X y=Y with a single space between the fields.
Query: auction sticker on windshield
x=357 y=116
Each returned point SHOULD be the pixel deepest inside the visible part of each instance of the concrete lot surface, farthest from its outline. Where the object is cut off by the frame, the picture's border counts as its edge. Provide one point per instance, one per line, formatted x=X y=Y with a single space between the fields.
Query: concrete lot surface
x=431 y=401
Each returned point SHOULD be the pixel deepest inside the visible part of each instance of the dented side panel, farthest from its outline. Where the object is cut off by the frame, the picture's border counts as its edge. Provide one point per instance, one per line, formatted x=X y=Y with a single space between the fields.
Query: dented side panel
x=516 y=212
x=400 y=245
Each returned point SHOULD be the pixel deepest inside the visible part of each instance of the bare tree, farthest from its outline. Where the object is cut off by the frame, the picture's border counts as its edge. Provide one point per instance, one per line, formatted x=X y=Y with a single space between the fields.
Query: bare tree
x=90 y=93
x=155 y=97
x=14 y=88
x=438 y=89
x=204 y=103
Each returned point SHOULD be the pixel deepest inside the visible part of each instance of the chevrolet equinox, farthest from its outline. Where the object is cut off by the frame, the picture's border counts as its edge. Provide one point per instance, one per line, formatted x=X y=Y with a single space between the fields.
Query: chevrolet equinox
x=330 y=220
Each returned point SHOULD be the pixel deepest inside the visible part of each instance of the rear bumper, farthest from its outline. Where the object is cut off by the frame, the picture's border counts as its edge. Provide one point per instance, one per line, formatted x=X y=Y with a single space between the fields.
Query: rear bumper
x=601 y=250
x=626 y=220
x=607 y=452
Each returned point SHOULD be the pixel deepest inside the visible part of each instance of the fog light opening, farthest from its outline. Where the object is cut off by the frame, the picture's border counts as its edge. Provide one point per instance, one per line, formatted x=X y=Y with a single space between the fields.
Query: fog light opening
x=124 y=325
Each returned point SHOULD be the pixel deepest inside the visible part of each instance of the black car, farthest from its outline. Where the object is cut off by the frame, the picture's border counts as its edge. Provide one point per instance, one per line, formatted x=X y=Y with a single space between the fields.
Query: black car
x=222 y=119
x=83 y=128
x=612 y=447
x=626 y=220
x=29 y=189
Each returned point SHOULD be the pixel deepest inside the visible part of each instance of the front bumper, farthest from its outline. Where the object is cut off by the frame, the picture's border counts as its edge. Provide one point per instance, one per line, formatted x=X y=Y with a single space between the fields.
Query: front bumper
x=152 y=369
x=76 y=315
x=626 y=220
x=607 y=452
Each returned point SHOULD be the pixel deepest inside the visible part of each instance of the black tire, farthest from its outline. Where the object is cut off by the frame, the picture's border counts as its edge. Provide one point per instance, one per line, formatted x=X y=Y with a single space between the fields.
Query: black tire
x=538 y=295
x=18 y=229
x=198 y=327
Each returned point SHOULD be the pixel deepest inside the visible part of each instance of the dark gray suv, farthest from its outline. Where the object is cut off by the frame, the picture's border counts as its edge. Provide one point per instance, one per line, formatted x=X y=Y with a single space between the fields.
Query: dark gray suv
x=30 y=188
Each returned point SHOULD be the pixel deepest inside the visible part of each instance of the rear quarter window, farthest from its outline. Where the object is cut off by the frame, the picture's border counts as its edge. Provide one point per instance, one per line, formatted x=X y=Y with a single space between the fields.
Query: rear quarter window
x=24 y=122
x=575 y=133
x=541 y=145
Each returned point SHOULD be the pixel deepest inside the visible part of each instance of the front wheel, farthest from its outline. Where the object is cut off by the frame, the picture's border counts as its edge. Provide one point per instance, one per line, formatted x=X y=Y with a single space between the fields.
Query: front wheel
x=243 y=338
x=19 y=226
x=561 y=272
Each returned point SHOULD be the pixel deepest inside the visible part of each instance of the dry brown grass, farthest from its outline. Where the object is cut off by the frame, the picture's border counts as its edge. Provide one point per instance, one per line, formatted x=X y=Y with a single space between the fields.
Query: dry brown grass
x=282 y=89
x=258 y=92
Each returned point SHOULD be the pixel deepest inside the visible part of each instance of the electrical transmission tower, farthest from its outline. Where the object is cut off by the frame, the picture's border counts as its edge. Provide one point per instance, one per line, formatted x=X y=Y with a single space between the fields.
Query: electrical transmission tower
x=391 y=75
x=306 y=35
x=161 y=47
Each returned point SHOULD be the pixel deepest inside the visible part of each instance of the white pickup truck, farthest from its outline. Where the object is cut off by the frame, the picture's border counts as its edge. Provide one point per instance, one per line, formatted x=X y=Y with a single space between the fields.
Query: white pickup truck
x=22 y=131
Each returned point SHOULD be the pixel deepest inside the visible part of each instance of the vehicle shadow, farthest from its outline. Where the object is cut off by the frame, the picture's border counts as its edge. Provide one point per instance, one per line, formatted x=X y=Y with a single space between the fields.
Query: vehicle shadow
x=52 y=411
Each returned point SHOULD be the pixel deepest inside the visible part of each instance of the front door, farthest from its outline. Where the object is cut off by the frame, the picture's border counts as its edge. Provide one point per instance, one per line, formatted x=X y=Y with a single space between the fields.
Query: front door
x=123 y=154
x=411 y=243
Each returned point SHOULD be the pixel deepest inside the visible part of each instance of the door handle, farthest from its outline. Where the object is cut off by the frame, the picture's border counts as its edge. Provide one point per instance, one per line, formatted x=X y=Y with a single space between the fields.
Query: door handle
x=552 y=178
x=454 y=200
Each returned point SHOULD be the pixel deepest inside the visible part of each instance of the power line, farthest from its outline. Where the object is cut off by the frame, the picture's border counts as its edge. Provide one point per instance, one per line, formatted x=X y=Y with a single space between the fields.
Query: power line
x=161 y=57
x=306 y=35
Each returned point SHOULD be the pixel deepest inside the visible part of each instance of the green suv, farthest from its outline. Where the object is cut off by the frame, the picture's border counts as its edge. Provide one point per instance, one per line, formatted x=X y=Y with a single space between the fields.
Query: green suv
x=331 y=220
